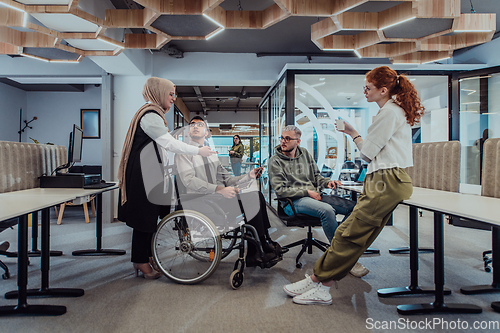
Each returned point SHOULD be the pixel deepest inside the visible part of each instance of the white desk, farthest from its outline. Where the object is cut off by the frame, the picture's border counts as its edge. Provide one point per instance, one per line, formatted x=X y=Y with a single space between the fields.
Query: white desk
x=20 y=204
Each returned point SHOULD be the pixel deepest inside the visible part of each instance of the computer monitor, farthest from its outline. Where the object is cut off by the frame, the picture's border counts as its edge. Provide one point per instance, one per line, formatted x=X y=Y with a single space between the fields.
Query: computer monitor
x=74 y=149
x=75 y=145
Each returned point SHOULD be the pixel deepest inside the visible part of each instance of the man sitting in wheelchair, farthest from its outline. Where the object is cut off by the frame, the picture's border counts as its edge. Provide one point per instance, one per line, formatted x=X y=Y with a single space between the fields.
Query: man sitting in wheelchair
x=207 y=176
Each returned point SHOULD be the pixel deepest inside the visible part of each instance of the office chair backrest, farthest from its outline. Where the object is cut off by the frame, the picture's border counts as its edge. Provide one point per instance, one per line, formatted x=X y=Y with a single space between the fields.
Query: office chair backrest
x=491 y=168
x=436 y=165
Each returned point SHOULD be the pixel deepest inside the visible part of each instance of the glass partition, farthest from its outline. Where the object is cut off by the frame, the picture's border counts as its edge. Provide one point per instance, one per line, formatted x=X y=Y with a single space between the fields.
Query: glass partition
x=479 y=120
x=322 y=98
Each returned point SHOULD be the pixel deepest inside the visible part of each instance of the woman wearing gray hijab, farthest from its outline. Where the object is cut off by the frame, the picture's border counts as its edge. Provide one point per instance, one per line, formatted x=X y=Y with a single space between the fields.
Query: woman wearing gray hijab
x=147 y=126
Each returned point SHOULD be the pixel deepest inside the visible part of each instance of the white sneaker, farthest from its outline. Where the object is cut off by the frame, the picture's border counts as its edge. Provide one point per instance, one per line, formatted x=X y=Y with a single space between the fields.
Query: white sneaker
x=359 y=270
x=300 y=287
x=319 y=295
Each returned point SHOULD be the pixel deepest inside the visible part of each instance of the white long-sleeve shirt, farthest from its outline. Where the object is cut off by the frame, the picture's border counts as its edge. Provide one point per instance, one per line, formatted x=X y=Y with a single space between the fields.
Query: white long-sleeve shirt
x=153 y=125
x=388 y=142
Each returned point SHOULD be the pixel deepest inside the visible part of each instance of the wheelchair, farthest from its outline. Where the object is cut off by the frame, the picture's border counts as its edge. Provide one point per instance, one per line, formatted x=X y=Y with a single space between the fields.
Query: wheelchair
x=188 y=247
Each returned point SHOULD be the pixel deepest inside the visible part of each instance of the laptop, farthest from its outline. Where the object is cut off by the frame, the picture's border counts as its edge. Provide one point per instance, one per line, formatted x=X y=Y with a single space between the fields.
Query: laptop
x=359 y=179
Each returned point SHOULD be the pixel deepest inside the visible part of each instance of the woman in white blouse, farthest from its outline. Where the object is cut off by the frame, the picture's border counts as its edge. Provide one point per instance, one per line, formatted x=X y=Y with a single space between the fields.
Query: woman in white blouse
x=147 y=126
x=388 y=150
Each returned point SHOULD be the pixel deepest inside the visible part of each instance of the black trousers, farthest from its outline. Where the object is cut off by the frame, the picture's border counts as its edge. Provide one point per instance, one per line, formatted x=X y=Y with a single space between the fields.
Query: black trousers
x=141 y=246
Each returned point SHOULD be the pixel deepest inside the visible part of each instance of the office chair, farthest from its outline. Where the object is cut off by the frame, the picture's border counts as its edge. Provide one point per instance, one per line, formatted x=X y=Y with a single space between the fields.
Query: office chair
x=301 y=220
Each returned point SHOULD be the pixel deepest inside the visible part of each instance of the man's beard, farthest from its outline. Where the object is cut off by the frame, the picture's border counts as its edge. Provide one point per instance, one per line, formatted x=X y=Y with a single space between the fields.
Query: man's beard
x=287 y=151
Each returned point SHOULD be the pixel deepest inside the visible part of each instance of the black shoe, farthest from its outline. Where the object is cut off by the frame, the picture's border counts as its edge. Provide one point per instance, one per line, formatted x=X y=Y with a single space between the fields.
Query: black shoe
x=253 y=261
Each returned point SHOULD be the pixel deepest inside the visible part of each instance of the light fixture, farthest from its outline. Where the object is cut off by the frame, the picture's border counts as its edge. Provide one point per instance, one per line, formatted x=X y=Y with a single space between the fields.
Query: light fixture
x=34 y=57
x=393 y=24
x=472 y=91
x=436 y=60
x=215 y=33
x=474 y=77
x=211 y=19
x=467 y=103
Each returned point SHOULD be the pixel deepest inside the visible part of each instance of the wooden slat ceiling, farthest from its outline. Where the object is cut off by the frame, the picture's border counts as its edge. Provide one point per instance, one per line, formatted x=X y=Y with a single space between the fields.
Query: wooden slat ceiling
x=404 y=31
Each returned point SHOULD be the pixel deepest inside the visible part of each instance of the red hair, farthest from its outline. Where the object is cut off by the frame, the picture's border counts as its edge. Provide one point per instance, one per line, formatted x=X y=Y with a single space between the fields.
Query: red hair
x=399 y=85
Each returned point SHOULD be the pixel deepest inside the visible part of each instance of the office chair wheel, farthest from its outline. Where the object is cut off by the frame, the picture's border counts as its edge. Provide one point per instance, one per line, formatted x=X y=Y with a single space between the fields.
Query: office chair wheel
x=187 y=247
x=298 y=265
x=236 y=279
x=6 y=275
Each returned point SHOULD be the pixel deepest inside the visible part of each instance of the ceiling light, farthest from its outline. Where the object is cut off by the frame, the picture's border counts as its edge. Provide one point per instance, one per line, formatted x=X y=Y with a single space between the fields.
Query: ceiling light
x=472 y=30
x=470 y=103
x=436 y=60
x=215 y=33
x=211 y=19
x=34 y=57
x=490 y=113
x=322 y=79
x=391 y=25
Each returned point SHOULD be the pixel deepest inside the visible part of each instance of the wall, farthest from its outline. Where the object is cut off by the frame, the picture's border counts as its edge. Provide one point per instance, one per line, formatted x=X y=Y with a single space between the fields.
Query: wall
x=13 y=100
x=57 y=112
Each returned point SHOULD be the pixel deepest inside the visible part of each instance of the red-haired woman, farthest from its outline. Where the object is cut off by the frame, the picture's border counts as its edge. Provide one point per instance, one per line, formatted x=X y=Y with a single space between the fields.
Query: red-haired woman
x=387 y=149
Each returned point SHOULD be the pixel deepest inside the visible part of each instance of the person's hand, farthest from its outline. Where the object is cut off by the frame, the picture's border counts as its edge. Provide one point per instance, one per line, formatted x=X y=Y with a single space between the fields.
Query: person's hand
x=334 y=183
x=206 y=151
x=231 y=152
x=255 y=173
x=315 y=195
x=349 y=130
x=228 y=192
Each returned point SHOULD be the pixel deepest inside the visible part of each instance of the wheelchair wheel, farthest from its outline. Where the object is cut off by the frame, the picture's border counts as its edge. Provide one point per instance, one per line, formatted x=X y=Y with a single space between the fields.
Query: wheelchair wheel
x=236 y=279
x=187 y=247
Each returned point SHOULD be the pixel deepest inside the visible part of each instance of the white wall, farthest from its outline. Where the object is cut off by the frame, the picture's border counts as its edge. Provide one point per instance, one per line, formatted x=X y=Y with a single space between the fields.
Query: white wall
x=57 y=112
x=12 y=101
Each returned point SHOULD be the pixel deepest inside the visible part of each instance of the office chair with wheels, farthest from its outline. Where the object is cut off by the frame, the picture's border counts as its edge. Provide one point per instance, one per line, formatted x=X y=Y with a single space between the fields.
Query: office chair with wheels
x=4 y=245
x=301 y=220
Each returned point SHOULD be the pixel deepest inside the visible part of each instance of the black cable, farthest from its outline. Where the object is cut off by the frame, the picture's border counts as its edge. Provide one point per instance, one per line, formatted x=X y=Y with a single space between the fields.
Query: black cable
x=472 y=7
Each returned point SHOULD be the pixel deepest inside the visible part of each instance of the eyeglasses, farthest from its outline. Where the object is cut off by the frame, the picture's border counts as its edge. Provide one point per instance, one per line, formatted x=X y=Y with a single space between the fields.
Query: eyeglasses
x=287 y=139
x=173 y=95
x=197 y=124
x=365 y=89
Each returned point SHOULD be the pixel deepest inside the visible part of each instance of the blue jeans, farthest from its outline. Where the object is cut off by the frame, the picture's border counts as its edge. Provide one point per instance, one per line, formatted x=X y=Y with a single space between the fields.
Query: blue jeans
x=326 y=210
x=236 y=166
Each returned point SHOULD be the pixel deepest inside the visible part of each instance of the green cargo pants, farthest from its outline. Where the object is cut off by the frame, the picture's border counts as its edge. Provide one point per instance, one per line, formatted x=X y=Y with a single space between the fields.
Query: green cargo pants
x=383 y=190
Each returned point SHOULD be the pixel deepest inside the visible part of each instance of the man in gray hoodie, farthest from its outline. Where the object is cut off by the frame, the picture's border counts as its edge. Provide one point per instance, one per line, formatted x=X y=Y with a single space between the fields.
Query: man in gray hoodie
x=294 y=174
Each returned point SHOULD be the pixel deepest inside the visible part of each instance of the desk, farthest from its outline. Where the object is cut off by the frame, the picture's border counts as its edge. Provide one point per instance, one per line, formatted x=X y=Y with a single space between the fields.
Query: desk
x=20 y=204
x=474 y=207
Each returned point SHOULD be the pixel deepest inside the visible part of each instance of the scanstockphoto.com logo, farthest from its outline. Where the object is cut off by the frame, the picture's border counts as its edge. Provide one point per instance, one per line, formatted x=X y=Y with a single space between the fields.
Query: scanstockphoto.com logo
x=431 y=324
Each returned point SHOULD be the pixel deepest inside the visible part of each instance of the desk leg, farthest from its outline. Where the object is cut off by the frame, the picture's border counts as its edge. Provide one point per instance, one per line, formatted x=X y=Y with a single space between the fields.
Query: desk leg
x=404 y=250
x=99 y=251
x=495 y=255
x=22 y=306
x=438 y=306
x=34 y=238
x=45 y=291
x=413 y=288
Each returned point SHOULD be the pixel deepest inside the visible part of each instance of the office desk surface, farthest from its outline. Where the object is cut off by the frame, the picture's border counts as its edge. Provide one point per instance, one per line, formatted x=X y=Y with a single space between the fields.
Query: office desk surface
x=14 y=204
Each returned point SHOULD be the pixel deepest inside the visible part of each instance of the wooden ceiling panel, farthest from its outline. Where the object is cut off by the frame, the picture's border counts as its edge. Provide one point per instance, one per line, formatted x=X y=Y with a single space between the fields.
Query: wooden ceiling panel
x=347 y=25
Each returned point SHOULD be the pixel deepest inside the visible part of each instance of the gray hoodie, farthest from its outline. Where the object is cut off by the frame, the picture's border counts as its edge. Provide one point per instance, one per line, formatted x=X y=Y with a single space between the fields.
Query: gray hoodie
x=292 y=177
